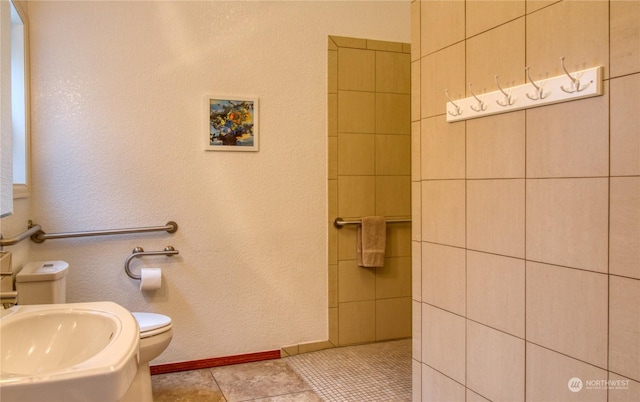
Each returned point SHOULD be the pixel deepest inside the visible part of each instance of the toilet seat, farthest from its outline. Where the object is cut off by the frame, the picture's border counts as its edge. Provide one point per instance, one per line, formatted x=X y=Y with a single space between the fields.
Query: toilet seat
x=152 y=324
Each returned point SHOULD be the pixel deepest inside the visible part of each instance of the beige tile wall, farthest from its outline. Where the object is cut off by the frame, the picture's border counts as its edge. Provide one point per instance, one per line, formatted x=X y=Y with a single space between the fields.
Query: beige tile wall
x=369 y=174
x=526 y=261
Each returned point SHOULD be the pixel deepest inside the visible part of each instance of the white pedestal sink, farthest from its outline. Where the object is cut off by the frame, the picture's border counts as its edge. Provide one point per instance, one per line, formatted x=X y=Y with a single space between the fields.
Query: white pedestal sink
x=67 y=352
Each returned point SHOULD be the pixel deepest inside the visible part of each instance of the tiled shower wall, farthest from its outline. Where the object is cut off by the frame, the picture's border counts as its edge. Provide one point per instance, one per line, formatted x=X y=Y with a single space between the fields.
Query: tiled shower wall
x=369 y=174
x=526 y=234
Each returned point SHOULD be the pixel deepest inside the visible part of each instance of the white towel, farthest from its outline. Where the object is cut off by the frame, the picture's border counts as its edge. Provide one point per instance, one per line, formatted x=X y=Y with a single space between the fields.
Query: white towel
x=371 y=241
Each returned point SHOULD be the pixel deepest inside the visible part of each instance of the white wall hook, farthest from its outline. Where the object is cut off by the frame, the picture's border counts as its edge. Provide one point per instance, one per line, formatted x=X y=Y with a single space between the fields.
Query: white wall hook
x=458 y=110
x=481 y=106
x=575 y=82
x=539 y=90
x=507 y=96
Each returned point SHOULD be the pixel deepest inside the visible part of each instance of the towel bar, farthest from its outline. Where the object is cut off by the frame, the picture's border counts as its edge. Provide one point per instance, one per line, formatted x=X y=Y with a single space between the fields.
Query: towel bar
x=339 y=222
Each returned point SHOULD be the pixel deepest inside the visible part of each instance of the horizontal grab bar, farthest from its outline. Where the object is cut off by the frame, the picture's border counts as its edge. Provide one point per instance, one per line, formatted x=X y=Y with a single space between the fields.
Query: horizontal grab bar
x=139 y=252
x=339 y=222
x=40 y=236
x=14 y=240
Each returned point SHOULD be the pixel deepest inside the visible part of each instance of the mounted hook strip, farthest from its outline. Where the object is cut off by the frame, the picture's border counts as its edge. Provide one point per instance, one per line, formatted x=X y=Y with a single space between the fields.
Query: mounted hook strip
x=583 y=84
x=139 y=252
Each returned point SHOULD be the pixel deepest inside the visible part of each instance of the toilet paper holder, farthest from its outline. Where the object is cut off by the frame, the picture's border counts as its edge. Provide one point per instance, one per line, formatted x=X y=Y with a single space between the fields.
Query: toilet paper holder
x=169 y=251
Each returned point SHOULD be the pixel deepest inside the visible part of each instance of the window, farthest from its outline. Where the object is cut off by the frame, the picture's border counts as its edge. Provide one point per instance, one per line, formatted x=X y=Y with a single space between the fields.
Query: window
x=18 y=101
x=14 y=121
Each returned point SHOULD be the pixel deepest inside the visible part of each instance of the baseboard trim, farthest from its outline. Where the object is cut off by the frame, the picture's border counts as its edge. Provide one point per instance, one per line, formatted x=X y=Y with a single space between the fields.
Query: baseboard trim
x=214 y=362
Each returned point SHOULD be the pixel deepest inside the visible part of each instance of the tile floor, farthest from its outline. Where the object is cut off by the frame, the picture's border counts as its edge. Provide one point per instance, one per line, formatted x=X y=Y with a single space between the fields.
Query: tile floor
x=364 y=373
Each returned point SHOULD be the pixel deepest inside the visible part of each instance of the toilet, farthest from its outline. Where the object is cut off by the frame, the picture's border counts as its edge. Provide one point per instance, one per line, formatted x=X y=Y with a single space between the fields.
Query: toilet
x=44 y=282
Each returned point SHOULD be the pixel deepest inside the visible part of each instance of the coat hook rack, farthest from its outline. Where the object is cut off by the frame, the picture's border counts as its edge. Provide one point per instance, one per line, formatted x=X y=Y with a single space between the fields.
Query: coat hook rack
x=551 y=90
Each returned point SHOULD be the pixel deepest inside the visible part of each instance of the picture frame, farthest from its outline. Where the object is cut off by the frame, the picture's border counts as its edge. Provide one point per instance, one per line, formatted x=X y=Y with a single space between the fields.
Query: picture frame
x=230 y=123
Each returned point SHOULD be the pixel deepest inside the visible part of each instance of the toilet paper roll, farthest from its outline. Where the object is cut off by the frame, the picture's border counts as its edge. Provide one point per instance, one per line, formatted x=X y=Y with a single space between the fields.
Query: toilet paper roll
x=150 y=278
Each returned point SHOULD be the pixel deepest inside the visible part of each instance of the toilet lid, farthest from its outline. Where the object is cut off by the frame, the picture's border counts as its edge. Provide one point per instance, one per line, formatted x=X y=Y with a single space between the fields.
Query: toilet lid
x=151 y=321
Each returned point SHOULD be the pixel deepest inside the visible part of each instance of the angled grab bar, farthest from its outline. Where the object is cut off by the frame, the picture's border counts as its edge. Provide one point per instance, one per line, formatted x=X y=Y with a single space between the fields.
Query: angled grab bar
x=139 y=252
x=40 y=236
x=31 y=229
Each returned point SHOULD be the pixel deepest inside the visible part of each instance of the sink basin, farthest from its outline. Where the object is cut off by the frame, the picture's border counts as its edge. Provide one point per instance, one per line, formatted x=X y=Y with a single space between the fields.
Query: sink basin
x=67 y=352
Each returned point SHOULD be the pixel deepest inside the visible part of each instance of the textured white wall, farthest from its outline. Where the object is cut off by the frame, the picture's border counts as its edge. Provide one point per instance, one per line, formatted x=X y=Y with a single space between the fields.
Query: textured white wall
x=117 y=91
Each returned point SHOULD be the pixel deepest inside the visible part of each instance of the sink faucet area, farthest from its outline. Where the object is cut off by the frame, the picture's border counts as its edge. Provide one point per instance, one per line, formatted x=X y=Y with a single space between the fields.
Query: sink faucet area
x=71 y=352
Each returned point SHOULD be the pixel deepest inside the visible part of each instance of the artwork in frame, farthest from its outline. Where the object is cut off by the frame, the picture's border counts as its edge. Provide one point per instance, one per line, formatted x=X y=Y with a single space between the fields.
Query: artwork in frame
x=231 y=123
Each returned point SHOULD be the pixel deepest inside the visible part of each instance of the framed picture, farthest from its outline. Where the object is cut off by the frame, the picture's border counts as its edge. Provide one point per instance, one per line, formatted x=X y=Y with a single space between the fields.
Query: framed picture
x=231 y=123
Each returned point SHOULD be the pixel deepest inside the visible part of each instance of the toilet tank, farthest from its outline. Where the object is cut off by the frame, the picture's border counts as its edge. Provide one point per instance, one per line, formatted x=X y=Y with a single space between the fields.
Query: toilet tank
x=42 y=282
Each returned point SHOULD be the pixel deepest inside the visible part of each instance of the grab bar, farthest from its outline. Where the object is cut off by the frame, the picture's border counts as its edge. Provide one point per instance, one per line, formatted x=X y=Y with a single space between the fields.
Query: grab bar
x=339 y=222
x=14 y=240
x=139 y=252
x=40 y=236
